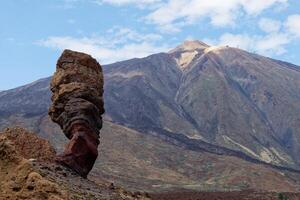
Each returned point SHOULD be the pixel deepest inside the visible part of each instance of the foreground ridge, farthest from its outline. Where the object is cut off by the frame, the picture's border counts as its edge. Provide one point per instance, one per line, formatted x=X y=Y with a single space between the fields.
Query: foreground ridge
x=37 y=179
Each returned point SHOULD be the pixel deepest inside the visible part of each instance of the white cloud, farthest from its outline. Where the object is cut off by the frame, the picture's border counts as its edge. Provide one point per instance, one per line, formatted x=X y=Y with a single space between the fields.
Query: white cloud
x=242 y=41
x=188 y=11
x=181 y=12
x=173 y=15
x=274 y=42
x=257 y=6
x=269 y=25
x=293 y=25
x=267 y=45
x=117 y=44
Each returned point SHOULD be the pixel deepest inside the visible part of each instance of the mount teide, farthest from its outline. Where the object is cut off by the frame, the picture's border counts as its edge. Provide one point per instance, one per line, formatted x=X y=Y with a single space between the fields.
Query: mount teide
x=221 y=95
x=219 y=100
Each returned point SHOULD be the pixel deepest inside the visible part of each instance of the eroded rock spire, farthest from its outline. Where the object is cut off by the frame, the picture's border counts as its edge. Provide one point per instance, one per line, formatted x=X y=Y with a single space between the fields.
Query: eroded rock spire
x=77 y=106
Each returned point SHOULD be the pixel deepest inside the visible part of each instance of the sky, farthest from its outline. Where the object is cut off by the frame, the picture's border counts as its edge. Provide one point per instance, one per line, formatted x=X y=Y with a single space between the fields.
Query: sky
x=33 y=33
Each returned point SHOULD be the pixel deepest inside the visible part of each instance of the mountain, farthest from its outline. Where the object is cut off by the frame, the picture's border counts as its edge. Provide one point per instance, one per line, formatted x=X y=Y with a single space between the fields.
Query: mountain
x=220 y=95
x=198 y=117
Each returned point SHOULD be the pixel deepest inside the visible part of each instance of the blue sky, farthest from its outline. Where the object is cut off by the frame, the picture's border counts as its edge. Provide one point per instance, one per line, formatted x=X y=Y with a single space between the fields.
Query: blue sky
x=33 y=32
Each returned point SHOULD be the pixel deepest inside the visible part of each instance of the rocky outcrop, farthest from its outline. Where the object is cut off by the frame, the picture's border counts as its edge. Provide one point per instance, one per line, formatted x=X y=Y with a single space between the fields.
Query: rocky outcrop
x=77 y=106
x=35 y=179
x=18 y=179
x=29 y=144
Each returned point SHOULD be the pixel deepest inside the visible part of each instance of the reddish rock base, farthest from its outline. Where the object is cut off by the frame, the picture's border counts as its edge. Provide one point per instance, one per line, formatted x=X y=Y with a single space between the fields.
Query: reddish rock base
x=81 y=152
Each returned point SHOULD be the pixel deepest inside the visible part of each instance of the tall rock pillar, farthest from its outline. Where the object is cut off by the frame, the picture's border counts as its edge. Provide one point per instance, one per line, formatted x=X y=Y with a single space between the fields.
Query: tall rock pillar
x=77 y=106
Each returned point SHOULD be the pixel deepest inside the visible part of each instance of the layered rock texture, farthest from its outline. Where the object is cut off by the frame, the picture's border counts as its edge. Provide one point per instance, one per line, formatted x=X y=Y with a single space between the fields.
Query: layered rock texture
x=77 y=106
x=197 y=117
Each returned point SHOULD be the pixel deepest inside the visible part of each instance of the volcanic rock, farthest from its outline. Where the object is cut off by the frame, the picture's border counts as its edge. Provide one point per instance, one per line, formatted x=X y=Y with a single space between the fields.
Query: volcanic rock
x=29 y=145
x=35 y=179
x=18 y=180
x=77 y=106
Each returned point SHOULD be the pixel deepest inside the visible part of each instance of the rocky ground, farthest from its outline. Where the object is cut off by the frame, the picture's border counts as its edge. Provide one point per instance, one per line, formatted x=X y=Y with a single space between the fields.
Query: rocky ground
x=27 y=173
x=236 y=195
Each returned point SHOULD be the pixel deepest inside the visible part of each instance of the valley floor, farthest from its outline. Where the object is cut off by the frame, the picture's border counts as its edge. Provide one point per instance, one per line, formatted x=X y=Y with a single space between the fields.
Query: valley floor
x=237 y=195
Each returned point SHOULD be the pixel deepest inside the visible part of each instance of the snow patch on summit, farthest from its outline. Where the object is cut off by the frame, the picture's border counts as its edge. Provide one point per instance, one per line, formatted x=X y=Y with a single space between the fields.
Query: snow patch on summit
x=186 y=52
x=185 y=59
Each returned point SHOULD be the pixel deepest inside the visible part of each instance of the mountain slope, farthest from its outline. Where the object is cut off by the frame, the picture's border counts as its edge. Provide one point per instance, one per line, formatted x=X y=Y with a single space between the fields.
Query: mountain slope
x=221 y=95
x=240 y=100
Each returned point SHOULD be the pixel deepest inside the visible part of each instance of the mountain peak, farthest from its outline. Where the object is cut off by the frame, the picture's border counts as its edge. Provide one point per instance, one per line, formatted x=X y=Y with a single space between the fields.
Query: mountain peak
x=185 y=53
x=190 y=45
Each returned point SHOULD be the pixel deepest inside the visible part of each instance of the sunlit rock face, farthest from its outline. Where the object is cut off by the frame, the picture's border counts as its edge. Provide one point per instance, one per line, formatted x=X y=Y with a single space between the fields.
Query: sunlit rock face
x=77 y=106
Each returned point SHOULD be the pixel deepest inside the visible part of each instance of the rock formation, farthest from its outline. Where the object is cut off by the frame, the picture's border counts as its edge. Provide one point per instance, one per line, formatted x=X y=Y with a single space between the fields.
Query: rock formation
x=77 y=106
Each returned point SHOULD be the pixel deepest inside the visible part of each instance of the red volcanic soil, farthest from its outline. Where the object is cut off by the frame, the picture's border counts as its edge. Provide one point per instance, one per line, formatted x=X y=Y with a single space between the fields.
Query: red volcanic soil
x=234 y=195
x=29 y=145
